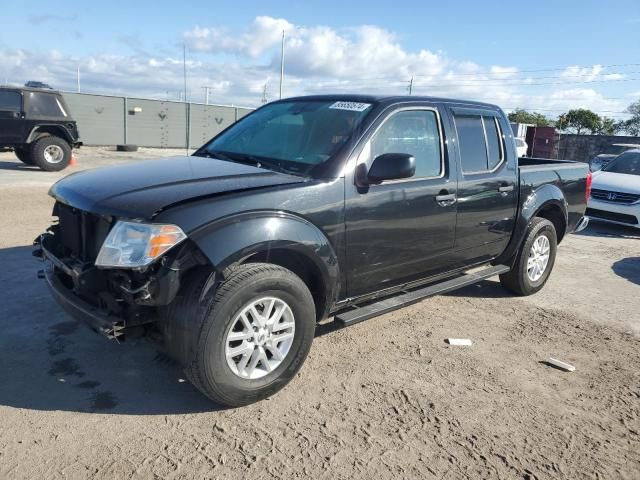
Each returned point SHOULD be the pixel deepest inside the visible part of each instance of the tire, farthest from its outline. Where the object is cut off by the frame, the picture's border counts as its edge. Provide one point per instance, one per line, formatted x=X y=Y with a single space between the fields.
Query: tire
x=127 y=148
x=51 y=153
x=520 y=280
x=24 y=155
x=202 y=344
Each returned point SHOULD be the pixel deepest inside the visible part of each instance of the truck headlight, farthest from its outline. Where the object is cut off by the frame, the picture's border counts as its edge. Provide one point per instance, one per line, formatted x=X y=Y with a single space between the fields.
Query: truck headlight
x=132 y=244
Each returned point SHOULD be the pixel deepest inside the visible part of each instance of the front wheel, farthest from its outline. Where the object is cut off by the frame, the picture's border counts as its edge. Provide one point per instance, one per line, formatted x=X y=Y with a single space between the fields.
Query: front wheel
x=256 y=331
x=535 y=259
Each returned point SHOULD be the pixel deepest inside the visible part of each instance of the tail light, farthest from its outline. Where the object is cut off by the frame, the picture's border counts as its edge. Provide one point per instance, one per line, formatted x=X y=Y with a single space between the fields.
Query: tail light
x=589 y=180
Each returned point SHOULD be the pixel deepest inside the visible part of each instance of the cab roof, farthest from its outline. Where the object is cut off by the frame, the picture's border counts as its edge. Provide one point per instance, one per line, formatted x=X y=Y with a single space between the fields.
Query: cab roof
x=29 y=89
x=388 y=99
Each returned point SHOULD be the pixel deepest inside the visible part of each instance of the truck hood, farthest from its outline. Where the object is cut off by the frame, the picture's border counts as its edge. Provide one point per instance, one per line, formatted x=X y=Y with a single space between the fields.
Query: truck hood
x=142 y=189
x=616 y=182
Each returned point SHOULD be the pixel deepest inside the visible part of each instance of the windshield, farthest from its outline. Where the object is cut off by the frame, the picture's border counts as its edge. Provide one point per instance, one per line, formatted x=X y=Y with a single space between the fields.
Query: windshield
x=294 y=136
x=628 y=162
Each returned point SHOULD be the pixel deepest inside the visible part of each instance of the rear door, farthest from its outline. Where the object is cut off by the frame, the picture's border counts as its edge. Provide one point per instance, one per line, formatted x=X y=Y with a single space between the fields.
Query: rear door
x=487 y=185
x=11 y=122
x=400 y=230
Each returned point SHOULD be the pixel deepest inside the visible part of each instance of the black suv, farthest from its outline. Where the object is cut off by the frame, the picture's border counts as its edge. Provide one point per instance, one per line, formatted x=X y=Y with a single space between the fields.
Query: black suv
x=37 y=125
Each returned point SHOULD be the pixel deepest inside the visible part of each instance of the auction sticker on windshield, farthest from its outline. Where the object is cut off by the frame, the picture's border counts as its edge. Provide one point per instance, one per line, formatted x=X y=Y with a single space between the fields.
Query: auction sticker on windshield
x=353 y=106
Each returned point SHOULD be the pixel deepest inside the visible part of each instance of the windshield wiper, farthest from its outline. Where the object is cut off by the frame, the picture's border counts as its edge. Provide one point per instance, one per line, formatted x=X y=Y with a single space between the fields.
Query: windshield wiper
x=248 y=159
x=219 y=155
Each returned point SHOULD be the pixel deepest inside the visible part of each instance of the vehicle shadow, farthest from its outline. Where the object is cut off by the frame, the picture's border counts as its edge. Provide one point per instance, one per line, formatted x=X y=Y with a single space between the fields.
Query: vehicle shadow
x=628 y=268
x=50 y=362
x=611 y=230
x=486 y=289
x=17 y=166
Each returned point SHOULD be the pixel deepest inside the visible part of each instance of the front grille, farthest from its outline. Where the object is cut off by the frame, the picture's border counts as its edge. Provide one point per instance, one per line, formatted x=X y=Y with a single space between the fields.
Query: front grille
x=79 y=234
x=616 y=217
x=615 y=197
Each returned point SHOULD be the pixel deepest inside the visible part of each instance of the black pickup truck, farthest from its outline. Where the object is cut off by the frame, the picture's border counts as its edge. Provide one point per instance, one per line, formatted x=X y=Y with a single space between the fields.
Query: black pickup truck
x=306 y=209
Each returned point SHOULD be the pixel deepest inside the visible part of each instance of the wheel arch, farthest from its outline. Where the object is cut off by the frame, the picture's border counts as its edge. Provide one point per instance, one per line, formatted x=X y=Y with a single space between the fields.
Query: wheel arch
x=279 y=238
x=547 y=202
x=40 y=131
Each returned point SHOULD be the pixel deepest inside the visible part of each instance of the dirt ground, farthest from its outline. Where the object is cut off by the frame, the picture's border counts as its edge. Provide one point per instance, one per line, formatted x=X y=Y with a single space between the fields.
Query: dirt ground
x=386 y=398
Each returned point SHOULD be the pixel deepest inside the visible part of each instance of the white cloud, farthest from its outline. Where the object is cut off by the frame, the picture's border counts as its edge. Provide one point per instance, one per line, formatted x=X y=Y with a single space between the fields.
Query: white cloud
x=318 y=59
x=589 y=74
x=264 y=33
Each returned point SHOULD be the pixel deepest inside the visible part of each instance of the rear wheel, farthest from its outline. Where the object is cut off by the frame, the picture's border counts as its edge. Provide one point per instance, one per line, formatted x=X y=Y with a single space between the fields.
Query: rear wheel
x=24 y=155
x=255 y=331
x=535 y=259
x=51 y=153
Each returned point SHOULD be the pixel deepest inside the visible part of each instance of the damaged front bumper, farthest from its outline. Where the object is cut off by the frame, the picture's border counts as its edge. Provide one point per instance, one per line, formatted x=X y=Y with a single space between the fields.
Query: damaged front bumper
x=111 y=302
x=98 y=320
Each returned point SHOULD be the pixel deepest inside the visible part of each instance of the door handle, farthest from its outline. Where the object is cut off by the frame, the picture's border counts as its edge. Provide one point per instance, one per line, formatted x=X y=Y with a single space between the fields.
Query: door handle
x=446 y=199
x=505 y=189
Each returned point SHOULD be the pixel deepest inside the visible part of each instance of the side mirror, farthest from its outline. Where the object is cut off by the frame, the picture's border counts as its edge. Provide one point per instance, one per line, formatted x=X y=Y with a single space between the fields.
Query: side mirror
x=391 y=166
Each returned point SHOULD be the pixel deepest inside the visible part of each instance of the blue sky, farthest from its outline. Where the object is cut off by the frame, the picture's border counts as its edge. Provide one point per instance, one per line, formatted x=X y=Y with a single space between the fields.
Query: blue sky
x=464 y=48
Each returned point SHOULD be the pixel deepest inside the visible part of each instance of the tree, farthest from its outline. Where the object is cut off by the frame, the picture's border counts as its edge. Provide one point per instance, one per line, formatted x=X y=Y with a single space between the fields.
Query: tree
x=580 y=121
x=608 y=126
x=632 y=125
x=520 y=115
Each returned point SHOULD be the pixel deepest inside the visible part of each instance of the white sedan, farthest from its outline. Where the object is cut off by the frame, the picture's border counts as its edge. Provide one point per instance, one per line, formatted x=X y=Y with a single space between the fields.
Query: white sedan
x=615 y=191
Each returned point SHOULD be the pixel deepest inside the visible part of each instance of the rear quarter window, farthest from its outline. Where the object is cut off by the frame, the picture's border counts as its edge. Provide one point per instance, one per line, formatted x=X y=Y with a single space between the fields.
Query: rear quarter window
x=493 y=141
x=44 y=105
x=10 y=102
x=479 y=141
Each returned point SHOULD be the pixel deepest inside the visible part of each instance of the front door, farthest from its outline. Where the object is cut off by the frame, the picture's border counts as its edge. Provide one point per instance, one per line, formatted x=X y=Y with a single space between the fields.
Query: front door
x=11 y=123
x=400 y=230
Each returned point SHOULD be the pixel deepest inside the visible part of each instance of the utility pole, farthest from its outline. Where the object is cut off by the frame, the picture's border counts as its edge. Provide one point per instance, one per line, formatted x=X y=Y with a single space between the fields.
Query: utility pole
x=264 y=94
x=186 y=105
x=411 y=85
x=281 y=64
x=184 y=69
x=78 y=78
x=206 y=94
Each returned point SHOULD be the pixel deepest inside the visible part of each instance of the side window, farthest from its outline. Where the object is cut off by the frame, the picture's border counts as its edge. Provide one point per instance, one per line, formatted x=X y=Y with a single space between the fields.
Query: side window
x=415 y=132
x=44 y=105
x=480 y=142
x=494 y=145
x=10 y=102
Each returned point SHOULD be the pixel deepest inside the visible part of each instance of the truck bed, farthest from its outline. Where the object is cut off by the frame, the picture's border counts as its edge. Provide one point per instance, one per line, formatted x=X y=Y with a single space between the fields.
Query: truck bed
x=528 y=162
x=562 y=180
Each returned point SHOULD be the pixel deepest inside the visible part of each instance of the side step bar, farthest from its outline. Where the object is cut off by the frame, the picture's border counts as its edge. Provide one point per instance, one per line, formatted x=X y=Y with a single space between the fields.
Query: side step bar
x=360 y=314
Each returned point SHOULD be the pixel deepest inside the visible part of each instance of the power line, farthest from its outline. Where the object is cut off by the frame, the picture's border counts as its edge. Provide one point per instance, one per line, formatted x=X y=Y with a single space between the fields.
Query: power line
x=542 y=69
x=527 y=84
x=507 y=72
x=562 y=110
x=541 y=78
x=520 y=82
